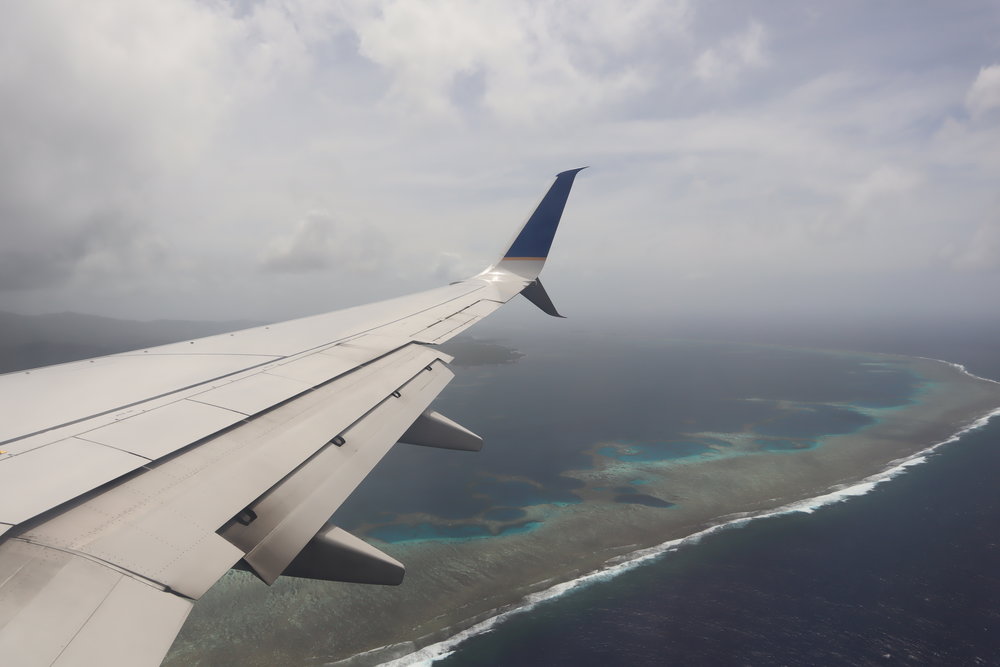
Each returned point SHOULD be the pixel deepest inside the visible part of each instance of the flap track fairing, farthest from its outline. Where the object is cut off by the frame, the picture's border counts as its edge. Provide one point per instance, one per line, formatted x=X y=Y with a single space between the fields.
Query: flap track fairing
x=433 y=429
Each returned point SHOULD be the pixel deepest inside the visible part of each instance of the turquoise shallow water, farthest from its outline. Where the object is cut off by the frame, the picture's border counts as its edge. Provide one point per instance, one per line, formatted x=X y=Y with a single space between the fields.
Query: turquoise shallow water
x=661 y=451
x=459 y=531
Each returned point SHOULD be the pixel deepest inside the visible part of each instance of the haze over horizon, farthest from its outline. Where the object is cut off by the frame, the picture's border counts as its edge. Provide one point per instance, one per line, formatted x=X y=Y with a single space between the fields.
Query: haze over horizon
x=801 y=163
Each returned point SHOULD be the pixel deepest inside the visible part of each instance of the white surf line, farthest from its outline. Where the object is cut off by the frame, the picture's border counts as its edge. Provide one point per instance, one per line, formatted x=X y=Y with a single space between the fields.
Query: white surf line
x=961 y=368
x=429 y=654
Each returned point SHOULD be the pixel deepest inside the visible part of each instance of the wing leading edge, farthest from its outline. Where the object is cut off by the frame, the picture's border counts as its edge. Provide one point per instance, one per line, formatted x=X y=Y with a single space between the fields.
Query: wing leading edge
x=129 y=484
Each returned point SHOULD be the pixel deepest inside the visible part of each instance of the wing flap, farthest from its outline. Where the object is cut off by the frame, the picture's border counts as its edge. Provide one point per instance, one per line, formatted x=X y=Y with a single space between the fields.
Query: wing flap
x=292 y=512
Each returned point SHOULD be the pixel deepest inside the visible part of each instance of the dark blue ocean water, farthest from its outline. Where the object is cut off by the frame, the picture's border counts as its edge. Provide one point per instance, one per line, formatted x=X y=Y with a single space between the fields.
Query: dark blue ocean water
x=907 y=574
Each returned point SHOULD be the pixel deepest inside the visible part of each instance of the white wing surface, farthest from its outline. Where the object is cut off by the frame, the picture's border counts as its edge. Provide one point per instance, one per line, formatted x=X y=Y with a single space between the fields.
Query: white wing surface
x=129 y=484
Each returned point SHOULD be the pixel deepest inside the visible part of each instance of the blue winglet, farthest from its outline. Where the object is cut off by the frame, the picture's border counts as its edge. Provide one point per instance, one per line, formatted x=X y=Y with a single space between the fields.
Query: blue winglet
x=536 y=236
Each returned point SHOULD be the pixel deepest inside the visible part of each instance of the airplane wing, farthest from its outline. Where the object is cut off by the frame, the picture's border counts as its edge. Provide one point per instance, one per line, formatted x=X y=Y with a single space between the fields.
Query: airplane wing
x=129 y=484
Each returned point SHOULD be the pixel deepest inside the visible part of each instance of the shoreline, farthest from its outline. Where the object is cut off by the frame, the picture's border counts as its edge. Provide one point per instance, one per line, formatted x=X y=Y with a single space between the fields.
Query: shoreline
x=469 y=586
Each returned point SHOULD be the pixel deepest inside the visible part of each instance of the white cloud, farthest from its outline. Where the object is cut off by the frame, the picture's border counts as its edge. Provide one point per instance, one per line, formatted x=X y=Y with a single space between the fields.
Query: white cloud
x=980 y=253
x=984 y=94
x=877 y=199
x=885 y=181
x=201 y=128
x=533 y=59
x=108 y=107
x=735 y=55
x=320 y=242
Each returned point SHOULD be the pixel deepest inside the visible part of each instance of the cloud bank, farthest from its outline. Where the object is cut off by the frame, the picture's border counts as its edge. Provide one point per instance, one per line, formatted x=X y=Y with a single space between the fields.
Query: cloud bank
x=266 y=159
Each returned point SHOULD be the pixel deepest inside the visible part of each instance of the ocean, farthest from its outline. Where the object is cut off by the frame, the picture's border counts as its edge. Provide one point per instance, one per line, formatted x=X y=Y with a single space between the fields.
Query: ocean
x=906 y=573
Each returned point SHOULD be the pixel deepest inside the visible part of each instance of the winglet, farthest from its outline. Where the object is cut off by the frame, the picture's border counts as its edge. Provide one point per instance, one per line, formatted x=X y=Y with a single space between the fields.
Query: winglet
x=535 y=238
x=537 y=295
x=526 y=254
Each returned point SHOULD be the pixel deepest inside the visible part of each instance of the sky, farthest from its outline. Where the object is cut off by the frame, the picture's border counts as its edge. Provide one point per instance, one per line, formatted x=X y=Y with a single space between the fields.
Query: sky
x=266 y=160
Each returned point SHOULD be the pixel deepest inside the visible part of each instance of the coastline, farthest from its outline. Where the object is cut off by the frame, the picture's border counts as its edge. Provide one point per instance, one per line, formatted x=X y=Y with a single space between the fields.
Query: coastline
x=430 y=653
x=458 y=588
